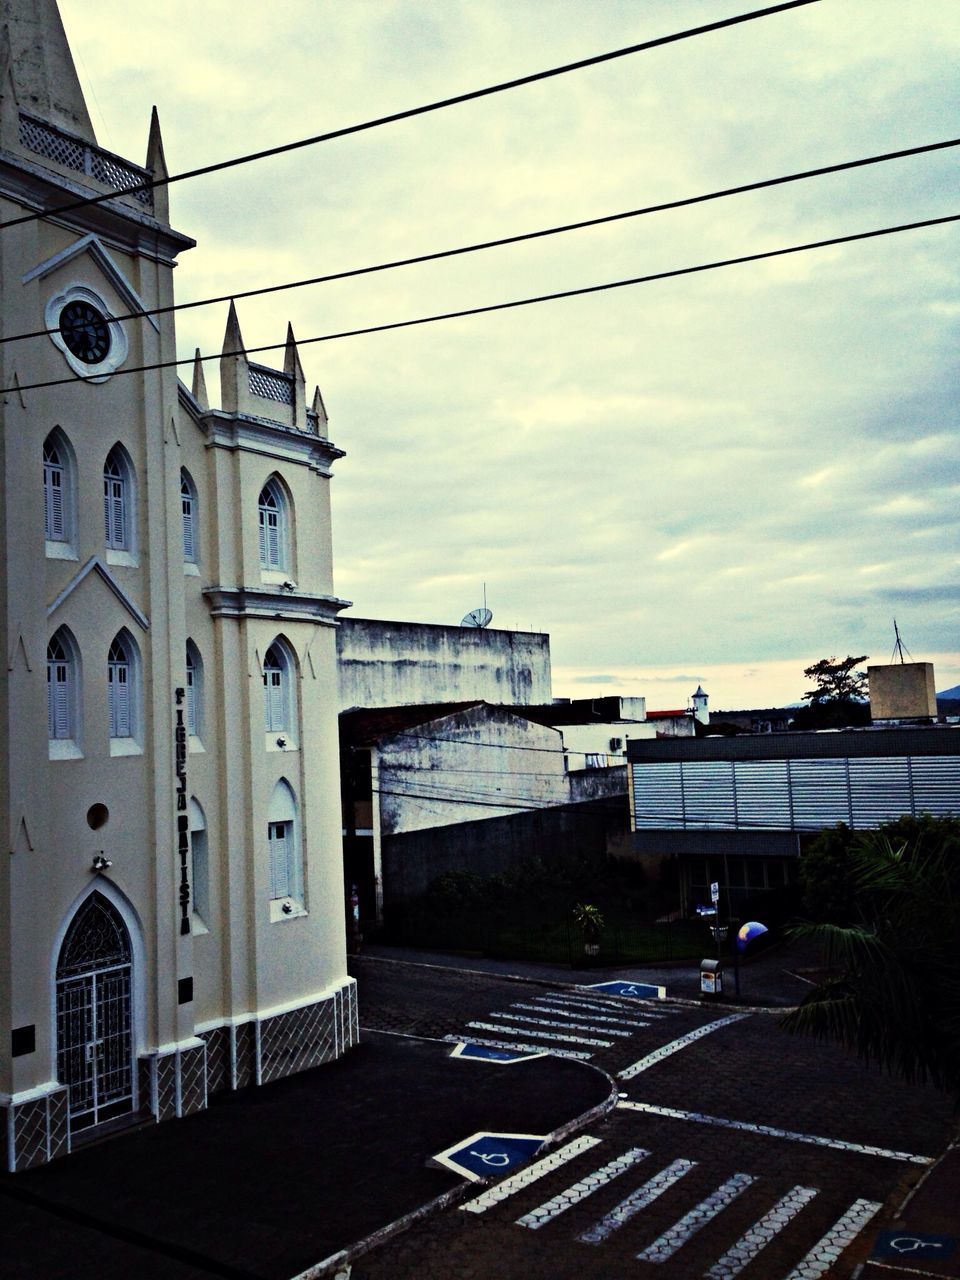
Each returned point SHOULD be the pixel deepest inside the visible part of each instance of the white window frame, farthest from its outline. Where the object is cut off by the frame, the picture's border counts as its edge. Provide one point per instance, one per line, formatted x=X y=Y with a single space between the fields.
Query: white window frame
x=199 y=867
x=189 y=520
x=194 y=685
x=123 y=695
x=273 y=516
x=63 y=697
x=284 y=855
x=59 y=526
x=119 y=507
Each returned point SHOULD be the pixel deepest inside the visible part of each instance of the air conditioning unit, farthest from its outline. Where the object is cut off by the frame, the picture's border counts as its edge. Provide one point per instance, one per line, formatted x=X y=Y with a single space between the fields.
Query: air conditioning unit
x=616 y=744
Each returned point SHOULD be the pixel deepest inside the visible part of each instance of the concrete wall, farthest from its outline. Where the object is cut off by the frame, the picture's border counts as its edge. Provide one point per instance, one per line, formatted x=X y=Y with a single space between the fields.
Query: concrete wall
x=902 y=691
x=386 y=664
x=413 y=859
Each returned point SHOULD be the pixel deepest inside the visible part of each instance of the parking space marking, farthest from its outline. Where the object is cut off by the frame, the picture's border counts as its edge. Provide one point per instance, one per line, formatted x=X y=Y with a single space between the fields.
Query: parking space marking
x=545 y=1213
x=824 y=1254
x=746 y=1126
x=520 y=1047
x=760 y=1234
x=637 y=1200
x=675 y=1046
x=561 y=1011
x=611 y=1005
x=541 y=1035
x=561 y=1026
x=675 y=1237
x=532 y=1173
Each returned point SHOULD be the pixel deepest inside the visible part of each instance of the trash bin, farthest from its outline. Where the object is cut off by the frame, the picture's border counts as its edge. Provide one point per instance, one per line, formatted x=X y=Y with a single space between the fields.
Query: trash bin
x=711 y=978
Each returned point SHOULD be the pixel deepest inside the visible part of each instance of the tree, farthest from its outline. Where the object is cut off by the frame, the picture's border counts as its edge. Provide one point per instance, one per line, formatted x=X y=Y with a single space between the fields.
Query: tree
x=894 y=990
x=835 y=680
x=838 y=696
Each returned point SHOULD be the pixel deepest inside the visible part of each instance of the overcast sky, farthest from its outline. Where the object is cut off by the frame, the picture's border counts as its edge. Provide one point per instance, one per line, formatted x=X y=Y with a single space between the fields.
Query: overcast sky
x=718 y=478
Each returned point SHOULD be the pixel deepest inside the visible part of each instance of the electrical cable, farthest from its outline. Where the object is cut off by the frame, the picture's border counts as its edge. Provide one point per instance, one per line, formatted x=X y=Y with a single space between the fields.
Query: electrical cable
x=411 y=112
x=521 y=237
x=512 y=305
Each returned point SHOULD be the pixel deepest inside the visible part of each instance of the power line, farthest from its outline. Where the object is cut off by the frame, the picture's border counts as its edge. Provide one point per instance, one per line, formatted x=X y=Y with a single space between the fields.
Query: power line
x=518 y=302
x=480 y=246
x=411 y=112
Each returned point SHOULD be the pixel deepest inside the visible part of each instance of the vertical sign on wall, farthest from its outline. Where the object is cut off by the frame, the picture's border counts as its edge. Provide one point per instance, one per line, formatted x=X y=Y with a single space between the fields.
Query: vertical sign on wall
x=183 y=820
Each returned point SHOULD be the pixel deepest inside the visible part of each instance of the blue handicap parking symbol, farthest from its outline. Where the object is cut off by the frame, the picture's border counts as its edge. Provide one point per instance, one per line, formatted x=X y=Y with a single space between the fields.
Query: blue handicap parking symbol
x=913 y=1244
x=483 y=1053
x=487 y=1155
x=639 y=990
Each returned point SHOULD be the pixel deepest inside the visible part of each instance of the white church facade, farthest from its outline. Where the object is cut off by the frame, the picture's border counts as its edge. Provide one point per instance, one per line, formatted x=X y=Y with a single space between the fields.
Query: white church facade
x=171 y=898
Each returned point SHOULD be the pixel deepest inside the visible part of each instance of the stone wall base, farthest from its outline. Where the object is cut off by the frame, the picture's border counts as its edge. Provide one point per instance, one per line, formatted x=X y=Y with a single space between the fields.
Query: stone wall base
x=35 y=1126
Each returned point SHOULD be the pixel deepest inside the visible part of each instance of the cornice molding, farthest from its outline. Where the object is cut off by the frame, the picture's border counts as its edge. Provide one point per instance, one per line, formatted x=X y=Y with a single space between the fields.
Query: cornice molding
x=261 y=435
x=274 y=603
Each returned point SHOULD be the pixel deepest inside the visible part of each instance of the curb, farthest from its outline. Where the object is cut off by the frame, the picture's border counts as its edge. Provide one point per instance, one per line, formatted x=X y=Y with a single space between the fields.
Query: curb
x=343 y=1259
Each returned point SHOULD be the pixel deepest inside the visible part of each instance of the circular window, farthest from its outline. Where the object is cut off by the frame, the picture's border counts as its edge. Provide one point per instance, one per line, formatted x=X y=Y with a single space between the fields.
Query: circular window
x=97 y=816
x=80 y=324
x=85 y=331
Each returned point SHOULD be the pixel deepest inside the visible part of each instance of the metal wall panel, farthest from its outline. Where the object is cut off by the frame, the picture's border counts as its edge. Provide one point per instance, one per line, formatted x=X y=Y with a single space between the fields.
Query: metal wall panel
x=658 y=795
x=763 y=794
x=708 y=794
x=936 y=785
x=879 y=790
x=821 y=793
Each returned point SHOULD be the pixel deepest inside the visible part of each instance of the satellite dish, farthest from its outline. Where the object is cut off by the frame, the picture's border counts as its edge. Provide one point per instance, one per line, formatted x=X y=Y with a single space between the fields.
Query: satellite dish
x=478 y=618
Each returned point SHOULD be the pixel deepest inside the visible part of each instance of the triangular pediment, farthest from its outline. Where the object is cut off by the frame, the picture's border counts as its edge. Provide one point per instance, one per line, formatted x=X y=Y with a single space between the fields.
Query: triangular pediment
x=92 y=246
x=96 y=565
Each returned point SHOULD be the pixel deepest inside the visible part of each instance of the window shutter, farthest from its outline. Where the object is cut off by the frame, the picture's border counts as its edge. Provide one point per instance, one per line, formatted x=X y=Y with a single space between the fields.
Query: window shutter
x=53 y=502
x=118 y=691
x=263 y=539
x=189 y=537
x=58 y=700
x=273 y=540
x=192 y=719
x=279 y=838
x=278 y=718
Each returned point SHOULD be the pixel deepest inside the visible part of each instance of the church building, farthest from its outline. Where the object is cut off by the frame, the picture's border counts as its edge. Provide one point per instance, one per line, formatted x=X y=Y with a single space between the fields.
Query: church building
x=171 y=898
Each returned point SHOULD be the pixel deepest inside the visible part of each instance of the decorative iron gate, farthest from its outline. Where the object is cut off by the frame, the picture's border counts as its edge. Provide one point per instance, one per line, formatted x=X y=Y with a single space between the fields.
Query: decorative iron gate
x=94 y=1023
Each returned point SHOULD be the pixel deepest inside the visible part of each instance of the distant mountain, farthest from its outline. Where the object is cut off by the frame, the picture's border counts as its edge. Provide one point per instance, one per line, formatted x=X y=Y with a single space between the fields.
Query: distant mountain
x=950 y=693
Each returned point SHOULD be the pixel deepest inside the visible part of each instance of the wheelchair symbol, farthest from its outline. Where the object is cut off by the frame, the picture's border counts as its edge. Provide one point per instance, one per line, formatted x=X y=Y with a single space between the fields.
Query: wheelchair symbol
x=629 y=991
x=496 y=1159
x=910 y=1244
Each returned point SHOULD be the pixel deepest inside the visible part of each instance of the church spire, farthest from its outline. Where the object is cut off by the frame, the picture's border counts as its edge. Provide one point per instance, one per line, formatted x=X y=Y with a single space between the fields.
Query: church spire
x=42 y=68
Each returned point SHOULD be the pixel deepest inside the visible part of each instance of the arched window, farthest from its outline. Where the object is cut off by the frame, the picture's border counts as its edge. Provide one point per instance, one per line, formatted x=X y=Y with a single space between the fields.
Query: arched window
x=62 y=687
x=194 y=691
x=59 y=471
x=283 y=845
x=122 y=692
x=118 y=501
x=278 y=690
x=189 y=513
x=274 y=527
x=199 y=856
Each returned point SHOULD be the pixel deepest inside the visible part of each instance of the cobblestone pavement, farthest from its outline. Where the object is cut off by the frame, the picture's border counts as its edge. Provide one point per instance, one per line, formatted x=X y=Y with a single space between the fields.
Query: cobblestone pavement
x=736 y=1148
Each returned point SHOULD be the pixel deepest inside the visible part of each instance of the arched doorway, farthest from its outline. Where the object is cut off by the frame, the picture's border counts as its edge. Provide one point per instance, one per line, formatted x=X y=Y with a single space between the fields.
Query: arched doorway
x=94 y=1014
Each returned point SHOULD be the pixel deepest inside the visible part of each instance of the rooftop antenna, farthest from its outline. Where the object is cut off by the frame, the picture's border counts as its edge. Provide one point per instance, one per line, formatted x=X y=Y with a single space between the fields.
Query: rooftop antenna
x=478 y=618
x=898 y=645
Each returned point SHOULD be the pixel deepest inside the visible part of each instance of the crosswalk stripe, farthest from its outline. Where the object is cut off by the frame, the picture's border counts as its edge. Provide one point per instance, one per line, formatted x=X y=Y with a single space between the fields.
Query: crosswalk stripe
x=560 y=1012
x=607 y=1006
x=545 y=1213
x=825 y=1253
x=532 y=1173
x=676 y=1045
x=518 y=1047
x=562 y=1026
x=767 y=1130
x=760 y=1234
x=675 y=1237
x=637 y=1200
x=541 y=1035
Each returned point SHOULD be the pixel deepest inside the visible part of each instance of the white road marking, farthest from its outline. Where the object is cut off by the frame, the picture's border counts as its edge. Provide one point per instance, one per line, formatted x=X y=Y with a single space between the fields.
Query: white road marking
x=562 y=1026
x=540 y=1035
x=532 y=1173
x=675 y=1237
x=825 y=1253
x=519 y=1047
x=561 y=1012
x=671 y=1113
x=545 y=1213
x=760 y=1234
x=675 y=1046
x=638 y=1200
x=624 y=1007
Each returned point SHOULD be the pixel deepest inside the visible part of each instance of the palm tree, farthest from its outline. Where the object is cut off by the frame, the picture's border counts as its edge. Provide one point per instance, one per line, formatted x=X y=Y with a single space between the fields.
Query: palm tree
x=894 y=990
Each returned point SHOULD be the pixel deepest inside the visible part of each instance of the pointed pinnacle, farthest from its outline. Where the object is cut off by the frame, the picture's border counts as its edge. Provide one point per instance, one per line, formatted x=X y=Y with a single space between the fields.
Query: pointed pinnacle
x=199 y=382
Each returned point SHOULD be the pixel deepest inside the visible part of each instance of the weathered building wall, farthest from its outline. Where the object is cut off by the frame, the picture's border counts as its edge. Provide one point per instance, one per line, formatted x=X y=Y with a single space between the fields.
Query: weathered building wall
x=411 y=860
x=386 y=664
